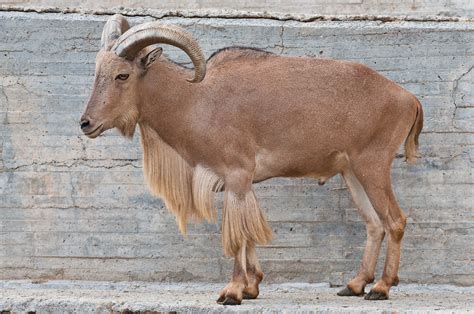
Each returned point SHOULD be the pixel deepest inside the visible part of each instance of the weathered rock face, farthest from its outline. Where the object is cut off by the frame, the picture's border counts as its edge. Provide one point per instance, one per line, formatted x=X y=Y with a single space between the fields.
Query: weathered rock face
x=76 y=208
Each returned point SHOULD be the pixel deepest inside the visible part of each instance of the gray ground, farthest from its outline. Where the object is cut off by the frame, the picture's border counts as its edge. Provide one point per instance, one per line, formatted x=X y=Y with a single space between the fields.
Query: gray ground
x=104 y=297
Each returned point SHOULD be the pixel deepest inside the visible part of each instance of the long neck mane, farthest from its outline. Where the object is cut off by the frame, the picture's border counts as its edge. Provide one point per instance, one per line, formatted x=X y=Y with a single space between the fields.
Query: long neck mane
x=186 y=191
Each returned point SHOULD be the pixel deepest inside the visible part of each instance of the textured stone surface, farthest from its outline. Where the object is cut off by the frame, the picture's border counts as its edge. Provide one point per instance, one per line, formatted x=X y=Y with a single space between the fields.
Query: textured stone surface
x=75 y=208
x=418 y=8
x=127 y=297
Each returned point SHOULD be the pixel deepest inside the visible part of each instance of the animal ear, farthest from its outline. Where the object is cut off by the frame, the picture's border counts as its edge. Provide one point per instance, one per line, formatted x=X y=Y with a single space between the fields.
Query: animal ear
x=150 y=57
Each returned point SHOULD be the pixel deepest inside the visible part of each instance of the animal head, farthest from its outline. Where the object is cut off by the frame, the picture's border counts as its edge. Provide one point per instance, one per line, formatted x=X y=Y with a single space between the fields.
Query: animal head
x=125 y=57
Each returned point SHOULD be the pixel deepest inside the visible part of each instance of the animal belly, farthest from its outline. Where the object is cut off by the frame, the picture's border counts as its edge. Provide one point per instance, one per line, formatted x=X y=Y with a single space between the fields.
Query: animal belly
x=319 y=166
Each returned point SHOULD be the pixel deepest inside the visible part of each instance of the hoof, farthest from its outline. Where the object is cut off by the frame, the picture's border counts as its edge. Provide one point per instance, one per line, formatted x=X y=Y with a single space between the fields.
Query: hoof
x=375 y=295
x=223 y=300
x=231 y=301
x=347 y=292
x=396 y=282
x=248 y=296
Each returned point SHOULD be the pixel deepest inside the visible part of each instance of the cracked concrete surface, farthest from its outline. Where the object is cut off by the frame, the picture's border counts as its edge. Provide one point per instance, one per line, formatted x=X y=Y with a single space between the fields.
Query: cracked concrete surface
x=463 y=99
x=140 y=297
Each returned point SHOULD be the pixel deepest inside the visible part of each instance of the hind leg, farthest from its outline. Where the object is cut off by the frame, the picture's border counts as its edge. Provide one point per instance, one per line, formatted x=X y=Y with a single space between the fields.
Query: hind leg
x=375 y=178
x=375 y=235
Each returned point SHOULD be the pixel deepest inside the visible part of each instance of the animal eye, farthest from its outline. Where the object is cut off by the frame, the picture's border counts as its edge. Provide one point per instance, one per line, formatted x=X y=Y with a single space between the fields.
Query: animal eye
x=121 y=77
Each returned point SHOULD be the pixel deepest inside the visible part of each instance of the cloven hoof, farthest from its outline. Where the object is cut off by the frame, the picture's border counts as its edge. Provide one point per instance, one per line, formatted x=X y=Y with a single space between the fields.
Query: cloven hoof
x=347 y=292
x=223 y=300
x=231 y=301
x=376 y=295
x=248 y=296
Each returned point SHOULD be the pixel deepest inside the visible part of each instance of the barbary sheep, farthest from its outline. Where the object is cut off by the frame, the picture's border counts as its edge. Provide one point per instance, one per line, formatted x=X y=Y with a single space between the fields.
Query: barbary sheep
x=254 y=116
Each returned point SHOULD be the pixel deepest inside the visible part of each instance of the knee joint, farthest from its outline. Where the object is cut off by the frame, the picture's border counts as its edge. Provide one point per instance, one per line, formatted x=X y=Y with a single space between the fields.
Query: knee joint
x=375 y=231
x=397 y=229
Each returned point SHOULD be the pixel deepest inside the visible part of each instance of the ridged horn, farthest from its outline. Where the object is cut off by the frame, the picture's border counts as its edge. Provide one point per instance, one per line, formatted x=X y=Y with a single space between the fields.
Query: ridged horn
x=141 y=36
x=115 y=26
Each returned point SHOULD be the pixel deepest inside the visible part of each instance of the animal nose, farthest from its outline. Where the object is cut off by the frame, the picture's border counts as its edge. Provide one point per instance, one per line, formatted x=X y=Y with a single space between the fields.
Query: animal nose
x=84 y=124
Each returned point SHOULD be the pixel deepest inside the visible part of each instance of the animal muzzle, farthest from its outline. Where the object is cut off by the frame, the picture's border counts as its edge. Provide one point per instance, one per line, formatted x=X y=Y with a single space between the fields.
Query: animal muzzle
x=90 y=128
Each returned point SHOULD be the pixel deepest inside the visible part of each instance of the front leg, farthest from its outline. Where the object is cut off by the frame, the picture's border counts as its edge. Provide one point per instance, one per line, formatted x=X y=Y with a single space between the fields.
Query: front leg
x=246 y=277
x=233 y=293
x=243 y=225
x=254 y=273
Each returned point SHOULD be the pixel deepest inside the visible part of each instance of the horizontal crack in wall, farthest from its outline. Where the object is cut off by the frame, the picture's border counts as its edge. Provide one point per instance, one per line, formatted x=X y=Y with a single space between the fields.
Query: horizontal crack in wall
x=89 y=163
x=233 y=14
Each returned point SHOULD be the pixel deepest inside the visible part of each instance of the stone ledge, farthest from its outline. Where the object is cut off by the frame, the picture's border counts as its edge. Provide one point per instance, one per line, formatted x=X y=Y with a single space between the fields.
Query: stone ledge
x=125 y=297
x=236 y=14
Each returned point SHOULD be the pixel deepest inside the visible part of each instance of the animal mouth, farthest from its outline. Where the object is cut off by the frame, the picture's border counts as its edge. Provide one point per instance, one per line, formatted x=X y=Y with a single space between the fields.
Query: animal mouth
x=94 y=133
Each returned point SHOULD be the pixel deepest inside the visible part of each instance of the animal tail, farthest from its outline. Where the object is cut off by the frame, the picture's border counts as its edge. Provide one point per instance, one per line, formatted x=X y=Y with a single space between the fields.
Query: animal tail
x=411 y=142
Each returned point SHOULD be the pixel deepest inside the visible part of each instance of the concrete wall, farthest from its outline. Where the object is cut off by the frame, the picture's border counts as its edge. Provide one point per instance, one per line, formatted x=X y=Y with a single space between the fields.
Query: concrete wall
x=463 y=8
x=76 y=208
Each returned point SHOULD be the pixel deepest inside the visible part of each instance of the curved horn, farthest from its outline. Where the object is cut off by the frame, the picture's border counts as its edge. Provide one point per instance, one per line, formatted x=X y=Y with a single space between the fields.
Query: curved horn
x=113 y=29
x=141 y=36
